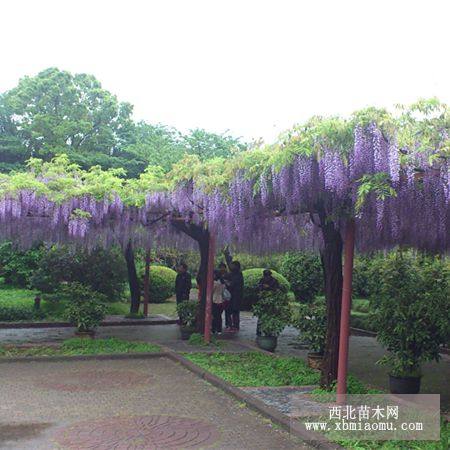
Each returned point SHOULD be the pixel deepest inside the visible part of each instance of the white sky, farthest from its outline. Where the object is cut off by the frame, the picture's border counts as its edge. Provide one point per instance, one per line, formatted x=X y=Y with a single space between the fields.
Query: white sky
x=253 y=67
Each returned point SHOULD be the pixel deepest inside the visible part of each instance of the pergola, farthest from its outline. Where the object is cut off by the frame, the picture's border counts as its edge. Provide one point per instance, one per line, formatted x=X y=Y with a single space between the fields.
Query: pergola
x=349 y=187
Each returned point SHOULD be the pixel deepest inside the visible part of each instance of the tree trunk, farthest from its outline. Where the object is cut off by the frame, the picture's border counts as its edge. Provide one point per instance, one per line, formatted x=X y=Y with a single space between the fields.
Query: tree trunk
x=203 y=245
x=201 y=235
x=133 y=280
x=331 y=257
x=146 y=282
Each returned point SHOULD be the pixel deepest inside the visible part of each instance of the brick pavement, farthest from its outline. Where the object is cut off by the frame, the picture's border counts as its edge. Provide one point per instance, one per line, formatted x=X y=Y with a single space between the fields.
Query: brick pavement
x=142 y=404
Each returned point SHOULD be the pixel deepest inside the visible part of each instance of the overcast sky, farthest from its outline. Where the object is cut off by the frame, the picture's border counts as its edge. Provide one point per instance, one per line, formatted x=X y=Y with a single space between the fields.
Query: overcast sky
x=253 y=67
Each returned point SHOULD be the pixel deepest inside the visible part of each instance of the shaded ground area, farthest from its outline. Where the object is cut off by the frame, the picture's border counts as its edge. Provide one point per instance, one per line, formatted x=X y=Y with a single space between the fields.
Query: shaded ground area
x=364 y=351
x=145 y=404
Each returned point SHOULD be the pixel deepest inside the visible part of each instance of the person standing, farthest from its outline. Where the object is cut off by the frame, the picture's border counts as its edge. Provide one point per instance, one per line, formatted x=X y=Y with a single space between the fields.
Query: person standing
x=223 y=271
x=268 y=282
x=217 y=303
x=225 y=277
x=235 y=285
x=183 y=283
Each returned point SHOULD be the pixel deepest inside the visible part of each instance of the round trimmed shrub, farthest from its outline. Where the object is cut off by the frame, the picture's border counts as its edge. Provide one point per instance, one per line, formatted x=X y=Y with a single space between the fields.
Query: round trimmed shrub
x=251 y=280
x=304 y=271
x=162 y=283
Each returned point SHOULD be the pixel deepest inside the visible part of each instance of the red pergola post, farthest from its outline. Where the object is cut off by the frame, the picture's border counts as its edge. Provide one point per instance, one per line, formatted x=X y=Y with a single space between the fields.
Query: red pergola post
x=349 y=250
x=209 y=285
x=146 y=282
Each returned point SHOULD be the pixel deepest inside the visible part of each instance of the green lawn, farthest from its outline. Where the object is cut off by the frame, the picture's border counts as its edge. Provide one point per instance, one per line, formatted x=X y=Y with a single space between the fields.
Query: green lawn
x=256 y=369
x=79 y=346
x=168 y=308
x=122 y=308
x=16 y=304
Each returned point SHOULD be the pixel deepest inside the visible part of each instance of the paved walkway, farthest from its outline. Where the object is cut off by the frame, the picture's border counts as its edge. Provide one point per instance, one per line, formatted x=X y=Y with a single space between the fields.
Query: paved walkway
x=150 y=404
x=364 y=351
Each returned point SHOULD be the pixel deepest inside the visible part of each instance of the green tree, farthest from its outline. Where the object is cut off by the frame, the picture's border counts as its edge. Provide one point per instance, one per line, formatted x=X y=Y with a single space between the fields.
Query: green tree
x=208 y=145
x=12 y=152
x=156 y=145
x=57 y=111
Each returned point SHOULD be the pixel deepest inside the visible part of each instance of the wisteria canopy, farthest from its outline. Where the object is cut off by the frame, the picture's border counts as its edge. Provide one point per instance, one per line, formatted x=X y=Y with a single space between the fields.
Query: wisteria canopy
x=388 y=171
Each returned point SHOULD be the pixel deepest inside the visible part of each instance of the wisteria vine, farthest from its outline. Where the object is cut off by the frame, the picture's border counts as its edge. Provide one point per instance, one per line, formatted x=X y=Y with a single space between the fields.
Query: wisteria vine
x=406 y=202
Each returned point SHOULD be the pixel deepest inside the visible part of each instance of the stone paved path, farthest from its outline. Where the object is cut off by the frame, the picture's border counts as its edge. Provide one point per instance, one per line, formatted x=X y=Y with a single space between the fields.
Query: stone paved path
x=128 y=404
x=364 y=351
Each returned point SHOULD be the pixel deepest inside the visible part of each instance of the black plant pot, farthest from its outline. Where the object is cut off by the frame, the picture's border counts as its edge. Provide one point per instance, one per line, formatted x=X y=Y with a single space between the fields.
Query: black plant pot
x=186 y=333
x=268 y=343
x=404 y=385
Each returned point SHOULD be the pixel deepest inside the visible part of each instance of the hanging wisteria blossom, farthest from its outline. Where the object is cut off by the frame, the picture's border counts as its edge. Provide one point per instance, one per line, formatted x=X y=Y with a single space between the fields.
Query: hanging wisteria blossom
x=277 y=208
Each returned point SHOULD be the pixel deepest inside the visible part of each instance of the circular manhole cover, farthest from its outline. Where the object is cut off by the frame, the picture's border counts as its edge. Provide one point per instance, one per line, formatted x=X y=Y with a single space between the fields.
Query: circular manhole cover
x=142 y=432
x=92 y=380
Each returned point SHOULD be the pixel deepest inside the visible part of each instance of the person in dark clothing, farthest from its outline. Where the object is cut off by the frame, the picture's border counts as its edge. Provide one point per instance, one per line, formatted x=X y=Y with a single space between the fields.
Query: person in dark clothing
x=235 y=285
x=183 y=283
x=224 y=276
x=266 y=283
x=223 y=270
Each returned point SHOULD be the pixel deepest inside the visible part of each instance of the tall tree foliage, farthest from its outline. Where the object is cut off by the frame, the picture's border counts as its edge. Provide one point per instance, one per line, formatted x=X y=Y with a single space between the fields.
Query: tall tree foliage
x=57 y=112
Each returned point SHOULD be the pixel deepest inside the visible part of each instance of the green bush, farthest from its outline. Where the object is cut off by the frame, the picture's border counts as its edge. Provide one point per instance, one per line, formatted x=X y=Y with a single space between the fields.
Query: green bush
x=85 y=307
x=102 y=270
x=311 y=321
x=304 y=272
x=251 y=280
x=16 y=267
x=10 y=312
x=250 y=261
x=361 y=275
x=361 y=305
x=187 y=312
x=366 y=274
x=273 y=312
x=162 y=283
x=411 y=310
x=363 y=321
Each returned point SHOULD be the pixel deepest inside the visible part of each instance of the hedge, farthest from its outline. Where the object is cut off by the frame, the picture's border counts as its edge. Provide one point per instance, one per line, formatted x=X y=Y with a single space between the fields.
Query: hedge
x=251 y=280
x=162 y=283
x=304 y=272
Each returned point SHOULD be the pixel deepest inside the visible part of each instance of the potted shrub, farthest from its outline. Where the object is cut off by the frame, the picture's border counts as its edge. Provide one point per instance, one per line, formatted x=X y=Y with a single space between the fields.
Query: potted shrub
x=85 y=308
x=187 y=312
x=251 y=286
x=312 y=325
x=274 y=313
x=412 y=314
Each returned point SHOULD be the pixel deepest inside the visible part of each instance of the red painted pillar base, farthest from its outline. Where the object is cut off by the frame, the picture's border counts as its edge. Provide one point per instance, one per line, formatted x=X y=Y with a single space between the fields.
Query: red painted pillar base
x=349 y=250
x=209 y=286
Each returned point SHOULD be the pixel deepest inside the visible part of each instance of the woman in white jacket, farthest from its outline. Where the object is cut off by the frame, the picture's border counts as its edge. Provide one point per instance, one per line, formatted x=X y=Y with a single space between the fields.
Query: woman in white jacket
x=217 y=303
